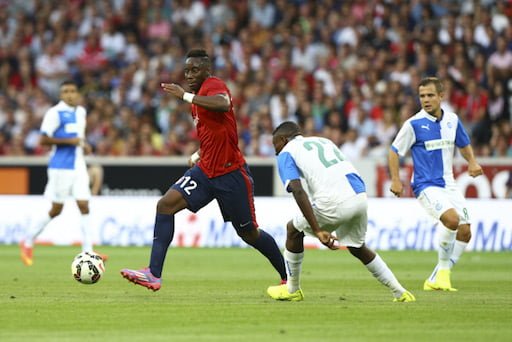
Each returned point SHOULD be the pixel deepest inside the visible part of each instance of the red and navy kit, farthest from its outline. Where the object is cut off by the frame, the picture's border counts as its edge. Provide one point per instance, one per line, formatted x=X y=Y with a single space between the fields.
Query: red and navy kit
x=218 y=136
x=221 y=173
x=233 y=191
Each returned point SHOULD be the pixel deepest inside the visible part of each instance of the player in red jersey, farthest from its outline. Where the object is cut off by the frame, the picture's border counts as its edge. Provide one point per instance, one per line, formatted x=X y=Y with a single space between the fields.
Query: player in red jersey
x=219 y=172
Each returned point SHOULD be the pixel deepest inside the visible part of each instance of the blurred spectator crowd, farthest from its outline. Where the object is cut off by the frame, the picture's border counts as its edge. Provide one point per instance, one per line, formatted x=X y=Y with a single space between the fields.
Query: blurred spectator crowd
x=347 y=70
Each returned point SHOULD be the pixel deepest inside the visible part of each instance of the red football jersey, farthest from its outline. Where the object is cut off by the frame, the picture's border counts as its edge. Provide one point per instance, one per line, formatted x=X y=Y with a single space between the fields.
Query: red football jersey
x=217 y=133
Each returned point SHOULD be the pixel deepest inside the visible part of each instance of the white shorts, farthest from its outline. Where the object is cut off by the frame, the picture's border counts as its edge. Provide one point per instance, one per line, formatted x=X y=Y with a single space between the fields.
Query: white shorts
x=67 y=183
x=437 y=201
x=349 y=220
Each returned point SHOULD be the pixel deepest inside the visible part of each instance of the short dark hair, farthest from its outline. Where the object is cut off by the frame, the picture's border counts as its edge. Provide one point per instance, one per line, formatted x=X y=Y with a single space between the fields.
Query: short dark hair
x=69 y=82
x=287 y=129
x=433 y=80
x=200 y=53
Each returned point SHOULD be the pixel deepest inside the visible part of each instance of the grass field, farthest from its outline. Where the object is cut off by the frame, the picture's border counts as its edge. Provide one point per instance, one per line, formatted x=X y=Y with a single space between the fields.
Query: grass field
x=219 y=295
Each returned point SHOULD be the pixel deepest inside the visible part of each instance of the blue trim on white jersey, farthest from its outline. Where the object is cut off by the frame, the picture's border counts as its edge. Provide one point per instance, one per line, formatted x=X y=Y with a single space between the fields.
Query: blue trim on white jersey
x=288 y=169
x=356 y=182
x=65 y=155
x=461 y=137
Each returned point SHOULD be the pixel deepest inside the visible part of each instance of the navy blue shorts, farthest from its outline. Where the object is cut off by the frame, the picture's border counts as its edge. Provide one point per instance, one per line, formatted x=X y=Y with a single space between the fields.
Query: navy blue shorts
x=233 y=191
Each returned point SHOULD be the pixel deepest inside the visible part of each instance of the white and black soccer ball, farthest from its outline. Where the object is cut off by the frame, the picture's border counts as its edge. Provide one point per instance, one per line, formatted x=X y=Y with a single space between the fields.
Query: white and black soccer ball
x=87 y=268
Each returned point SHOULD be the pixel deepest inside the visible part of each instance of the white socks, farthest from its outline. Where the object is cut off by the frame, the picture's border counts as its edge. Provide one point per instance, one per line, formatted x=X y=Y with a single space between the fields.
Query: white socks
x=458 y=248
x=36 y=228
x=381 y=271
x=446 y=243
x=293 y=267
x=377 y=267
x=39 y=223
x=86 y=233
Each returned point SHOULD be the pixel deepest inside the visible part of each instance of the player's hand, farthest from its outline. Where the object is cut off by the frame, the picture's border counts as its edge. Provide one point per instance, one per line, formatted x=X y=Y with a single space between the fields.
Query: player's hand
x=192 y=162
x=327 y=239
x=173 y=89
x=475 y=170
x=194 y=158
x=87 y=148
x=396 y=188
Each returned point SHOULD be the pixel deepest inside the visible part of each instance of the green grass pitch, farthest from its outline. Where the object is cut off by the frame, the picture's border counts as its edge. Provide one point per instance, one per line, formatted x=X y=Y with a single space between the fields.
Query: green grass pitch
x=219 y=295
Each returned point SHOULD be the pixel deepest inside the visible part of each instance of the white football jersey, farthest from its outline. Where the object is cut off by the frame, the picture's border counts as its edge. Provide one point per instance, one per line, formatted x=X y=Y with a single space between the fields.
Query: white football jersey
x=325 y=174
x=64 y=121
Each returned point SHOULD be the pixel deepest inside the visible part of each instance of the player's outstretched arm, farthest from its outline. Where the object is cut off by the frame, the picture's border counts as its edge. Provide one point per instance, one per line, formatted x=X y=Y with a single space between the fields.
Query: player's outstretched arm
x=216 y=103
x=474 y=169
x=394 y=168
x=307 y=210
x=46 y=140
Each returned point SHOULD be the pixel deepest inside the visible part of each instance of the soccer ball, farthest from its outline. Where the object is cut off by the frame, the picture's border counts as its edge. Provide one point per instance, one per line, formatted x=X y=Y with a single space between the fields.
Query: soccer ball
x=87 y=268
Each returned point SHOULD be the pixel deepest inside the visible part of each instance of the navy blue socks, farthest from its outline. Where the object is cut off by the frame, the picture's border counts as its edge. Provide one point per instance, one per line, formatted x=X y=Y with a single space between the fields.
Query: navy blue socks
x=268 y=247
x=162 y=238
x=164 y=233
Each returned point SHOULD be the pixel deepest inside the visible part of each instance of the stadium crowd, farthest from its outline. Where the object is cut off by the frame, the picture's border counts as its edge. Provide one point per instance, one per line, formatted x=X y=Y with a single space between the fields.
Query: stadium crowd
x=347 y=70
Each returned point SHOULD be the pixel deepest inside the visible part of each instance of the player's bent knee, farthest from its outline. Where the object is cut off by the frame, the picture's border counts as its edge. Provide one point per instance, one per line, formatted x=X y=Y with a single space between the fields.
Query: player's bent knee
x=450 y=220
x=355 y=251
x=84 y=208
x=55 y=210
x=55 y=213
x=290 y=229
x=161 y=205
x=363 y=253
x=292 y=233
x=249 y=236
x=464 y=233
x=171 y=203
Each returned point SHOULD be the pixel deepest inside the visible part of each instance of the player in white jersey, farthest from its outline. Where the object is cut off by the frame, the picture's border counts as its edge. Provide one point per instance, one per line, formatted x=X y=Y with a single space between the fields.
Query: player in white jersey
x=432 y=135
x=332 y=198
x=63 y=128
